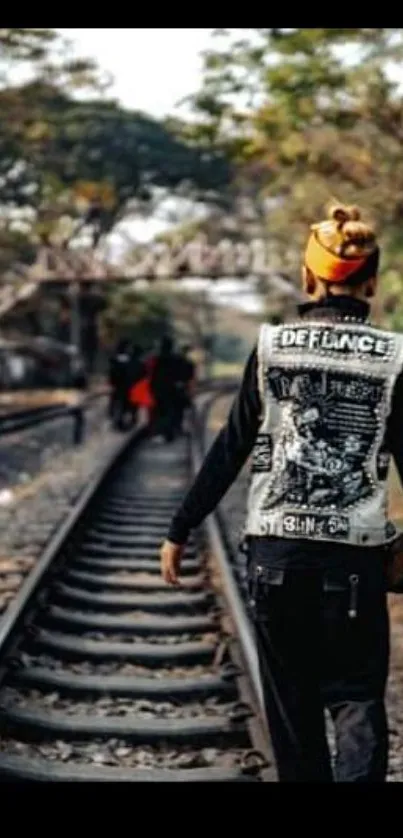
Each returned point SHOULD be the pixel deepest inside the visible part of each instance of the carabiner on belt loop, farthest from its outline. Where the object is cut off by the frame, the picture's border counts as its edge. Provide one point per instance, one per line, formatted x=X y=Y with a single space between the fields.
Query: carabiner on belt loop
x=352 y=611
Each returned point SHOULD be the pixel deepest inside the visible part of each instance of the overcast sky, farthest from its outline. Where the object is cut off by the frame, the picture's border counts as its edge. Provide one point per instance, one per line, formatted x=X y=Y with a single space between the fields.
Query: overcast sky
x=153 y=68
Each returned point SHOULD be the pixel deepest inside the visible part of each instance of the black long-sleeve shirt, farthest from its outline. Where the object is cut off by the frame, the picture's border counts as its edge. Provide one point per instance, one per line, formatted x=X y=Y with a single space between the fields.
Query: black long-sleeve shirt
x=235 y=441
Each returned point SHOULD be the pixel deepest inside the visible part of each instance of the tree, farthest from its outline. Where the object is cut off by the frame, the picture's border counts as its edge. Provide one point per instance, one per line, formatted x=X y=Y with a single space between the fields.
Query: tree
x=141 y=317
x=112 y=160
x=306 y=114
x=31 y=61
x=39 y=56
x=68 y=163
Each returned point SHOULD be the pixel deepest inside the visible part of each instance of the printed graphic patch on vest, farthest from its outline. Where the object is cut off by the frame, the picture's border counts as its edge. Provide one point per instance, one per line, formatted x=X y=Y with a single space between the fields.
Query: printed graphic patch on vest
x=382 y=464
x=328 y=424
x=335 y=341
x=307 y=525
x=262 y=454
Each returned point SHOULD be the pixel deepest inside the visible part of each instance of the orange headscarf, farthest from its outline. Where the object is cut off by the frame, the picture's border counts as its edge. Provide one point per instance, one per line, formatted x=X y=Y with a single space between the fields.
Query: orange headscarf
x=327 y=265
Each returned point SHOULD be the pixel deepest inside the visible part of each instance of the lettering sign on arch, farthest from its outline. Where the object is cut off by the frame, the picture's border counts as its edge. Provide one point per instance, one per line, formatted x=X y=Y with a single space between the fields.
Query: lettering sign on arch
x=198 y=258
x=195 y=258
x=158 y=260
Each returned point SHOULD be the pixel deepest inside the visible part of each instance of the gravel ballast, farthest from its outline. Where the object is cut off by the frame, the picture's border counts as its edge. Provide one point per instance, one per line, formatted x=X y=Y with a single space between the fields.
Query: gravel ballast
x=45 y=473
x=119 y=753
x=106 y=706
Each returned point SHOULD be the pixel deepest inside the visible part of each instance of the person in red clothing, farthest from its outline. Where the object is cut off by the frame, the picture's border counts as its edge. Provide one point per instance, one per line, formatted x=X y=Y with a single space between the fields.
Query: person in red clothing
x=140 y=394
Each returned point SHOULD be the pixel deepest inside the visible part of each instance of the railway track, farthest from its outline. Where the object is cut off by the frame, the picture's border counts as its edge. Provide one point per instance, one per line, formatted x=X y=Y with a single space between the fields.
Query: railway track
x=12 y=421
x=106 y=674
x=20 y=420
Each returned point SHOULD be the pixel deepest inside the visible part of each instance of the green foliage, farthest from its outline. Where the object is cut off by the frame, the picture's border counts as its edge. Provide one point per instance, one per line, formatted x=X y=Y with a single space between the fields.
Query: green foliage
x=27 y=128
x=141 y=317
x=14 y=247
x=306 y=115
x=125 y=153
x=229 y=348
x=25 y=44
x=85 y=159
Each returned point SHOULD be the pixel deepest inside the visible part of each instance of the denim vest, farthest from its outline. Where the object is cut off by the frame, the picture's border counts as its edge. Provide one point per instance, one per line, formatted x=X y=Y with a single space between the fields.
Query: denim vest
x=320 y=461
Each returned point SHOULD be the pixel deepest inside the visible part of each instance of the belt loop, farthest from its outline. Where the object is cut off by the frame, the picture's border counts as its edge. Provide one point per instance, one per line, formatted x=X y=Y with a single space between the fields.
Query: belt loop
x=352 y=611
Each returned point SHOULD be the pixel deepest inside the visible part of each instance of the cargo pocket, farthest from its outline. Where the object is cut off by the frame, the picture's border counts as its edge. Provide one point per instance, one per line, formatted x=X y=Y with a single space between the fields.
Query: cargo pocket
x=263 y=582
x=345 y=588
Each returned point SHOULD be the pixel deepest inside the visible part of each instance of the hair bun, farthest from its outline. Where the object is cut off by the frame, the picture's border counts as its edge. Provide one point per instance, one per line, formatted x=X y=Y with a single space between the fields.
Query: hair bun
x=341 y=213
x=358 y=232
x=344 y=234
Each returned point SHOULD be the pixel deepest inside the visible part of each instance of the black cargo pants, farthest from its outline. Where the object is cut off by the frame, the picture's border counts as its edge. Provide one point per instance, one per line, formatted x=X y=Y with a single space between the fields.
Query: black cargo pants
x=323 y=641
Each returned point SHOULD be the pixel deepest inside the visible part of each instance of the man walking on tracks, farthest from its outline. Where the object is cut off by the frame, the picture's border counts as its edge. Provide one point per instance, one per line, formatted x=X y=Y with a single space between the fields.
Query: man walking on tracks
x=165 y=385
x=186 y=382
x=321 y=411
x=122 y=373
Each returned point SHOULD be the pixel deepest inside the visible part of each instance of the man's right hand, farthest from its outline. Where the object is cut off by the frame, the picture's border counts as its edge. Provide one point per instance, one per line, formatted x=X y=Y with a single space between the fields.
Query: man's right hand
x=171 y=556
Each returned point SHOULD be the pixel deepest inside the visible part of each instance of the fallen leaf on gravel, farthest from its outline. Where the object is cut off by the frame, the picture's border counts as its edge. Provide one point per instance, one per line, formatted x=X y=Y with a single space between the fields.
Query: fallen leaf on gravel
x=7 y=565
x=11 y=582
x=210 y=755
x=122 y=752
x=5 y=599
x=50 y=699
x=6 y=497
x=46 y=750
x=226 y=760
x=66 y=750
x=99 y=758
x=192 y=761
x=143 y=757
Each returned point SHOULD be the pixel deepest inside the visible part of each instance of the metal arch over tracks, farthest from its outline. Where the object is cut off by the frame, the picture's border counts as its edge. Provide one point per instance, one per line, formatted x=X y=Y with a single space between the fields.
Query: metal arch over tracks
x=195 y=259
